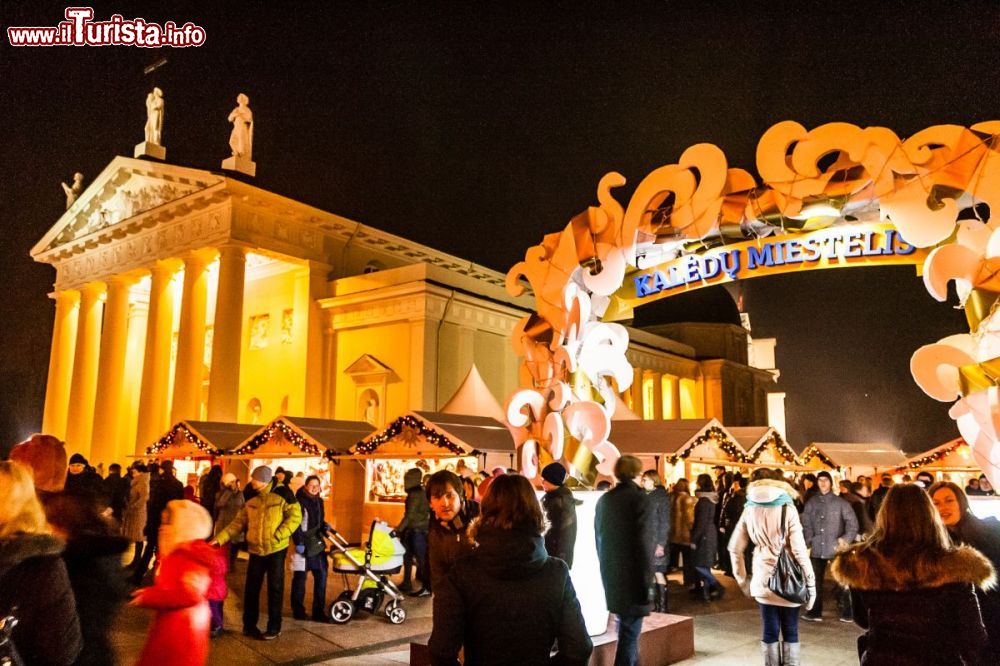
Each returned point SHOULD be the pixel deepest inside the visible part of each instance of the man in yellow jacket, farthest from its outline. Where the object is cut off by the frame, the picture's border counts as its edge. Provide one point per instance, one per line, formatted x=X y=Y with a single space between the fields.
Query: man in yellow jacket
x=269 y=517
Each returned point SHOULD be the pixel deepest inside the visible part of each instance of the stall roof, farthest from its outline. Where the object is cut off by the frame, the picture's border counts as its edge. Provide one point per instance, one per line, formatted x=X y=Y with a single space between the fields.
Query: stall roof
x=750 y=437
x=754 y=439
x=482 y=433
x=335 y=436
x=950 y=456
x=221 y=436
x=652 y=438
x=862 y=454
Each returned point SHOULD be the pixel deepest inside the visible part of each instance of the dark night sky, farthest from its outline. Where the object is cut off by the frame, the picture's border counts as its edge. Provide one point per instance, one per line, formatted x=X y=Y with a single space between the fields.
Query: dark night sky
x=478 y=129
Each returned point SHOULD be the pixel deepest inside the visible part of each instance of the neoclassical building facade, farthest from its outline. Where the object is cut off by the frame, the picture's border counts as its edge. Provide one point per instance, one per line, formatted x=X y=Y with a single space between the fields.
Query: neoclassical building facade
x=183 y=293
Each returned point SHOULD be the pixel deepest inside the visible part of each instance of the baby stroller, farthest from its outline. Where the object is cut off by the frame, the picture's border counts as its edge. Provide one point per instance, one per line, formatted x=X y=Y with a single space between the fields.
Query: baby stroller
x=380 y=557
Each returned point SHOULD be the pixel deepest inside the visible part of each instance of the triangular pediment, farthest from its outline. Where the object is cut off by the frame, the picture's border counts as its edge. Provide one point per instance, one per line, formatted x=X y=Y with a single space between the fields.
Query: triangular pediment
x=368 y=368
x=127 y=188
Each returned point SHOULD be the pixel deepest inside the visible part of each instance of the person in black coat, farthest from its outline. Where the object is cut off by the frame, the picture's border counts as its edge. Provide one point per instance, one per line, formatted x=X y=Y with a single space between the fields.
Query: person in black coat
x=705 y=538
x=93 y=558
x=82 y=479
x=560 y=510
x=115 y=491
x=33 y=578
x=983 y=535
x=660 y=515
x=625 y=549
x=912 y=590
x=448 y=530
x=729 y=515
x=310 y=552
x=508 y=602
x=163 y=488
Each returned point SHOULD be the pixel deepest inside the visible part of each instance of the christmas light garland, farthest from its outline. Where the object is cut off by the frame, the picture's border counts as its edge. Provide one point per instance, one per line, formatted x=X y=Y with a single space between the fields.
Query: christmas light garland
x=937 y=455
x=268 y=434
x=781 y=446
x=813 y=452
x=171 y=438
x=718 y=436
x=408 y=421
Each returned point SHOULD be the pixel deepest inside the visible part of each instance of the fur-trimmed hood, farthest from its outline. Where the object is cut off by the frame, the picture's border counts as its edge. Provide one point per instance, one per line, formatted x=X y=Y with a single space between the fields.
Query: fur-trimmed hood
x=865 y=569
x=15 y=550
x=768 y=490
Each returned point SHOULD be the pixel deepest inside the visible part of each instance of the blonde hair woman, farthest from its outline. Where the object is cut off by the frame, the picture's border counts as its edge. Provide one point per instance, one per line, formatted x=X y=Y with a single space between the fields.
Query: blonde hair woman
x=34 y=585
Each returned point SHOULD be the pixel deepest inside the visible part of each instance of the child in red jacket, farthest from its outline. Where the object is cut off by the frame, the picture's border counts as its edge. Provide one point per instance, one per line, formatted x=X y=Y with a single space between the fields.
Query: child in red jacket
x=179 y=633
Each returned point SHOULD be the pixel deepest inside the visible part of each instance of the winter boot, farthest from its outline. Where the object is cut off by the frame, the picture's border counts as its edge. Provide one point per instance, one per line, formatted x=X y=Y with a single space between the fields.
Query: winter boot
x=790 y=655
x=657 y=599
x=661 y=594
x=772 y=653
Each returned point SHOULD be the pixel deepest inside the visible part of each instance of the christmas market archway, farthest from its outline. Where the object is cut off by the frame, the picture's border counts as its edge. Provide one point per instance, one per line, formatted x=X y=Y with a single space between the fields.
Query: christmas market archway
x=835 y=196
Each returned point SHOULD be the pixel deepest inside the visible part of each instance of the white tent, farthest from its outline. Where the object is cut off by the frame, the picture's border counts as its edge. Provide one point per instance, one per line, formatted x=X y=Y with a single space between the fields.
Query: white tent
x=473 y=398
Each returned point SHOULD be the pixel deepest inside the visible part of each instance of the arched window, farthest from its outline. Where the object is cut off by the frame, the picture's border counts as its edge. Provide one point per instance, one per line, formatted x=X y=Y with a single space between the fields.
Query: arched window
x=253 y=412
x=368 y=407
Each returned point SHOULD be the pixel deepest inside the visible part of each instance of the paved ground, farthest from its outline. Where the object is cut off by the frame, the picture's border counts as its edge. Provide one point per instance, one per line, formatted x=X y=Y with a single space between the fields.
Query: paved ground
x=727 y=632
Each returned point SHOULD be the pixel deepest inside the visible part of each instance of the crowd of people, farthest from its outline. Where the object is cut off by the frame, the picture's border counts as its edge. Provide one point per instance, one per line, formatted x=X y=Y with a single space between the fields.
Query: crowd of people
x=910 y=562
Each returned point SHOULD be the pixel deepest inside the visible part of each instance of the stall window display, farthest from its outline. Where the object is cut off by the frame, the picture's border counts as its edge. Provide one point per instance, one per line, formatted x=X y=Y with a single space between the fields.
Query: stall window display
x=384 y=477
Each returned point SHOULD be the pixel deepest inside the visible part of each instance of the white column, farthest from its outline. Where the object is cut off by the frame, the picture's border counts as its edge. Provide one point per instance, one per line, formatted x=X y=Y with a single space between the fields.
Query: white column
x=111 y=372
x=61 y=363
x=227 y=339
x=85 y=359
x=191 y=339
x=153 y=397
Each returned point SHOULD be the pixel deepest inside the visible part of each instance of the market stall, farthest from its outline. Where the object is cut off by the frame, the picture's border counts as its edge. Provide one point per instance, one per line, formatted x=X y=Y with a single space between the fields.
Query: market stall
x=679 y=448
x=766 y=447
x=370 y=477
x=302 y=446
x=194 y=446
x=816 y=460
x=952 y=461
x=852 y=459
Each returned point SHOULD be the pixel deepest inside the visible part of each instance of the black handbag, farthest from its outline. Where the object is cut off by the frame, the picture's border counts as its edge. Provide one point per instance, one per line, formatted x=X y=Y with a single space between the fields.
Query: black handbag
x=8 y=653
x=788 y=581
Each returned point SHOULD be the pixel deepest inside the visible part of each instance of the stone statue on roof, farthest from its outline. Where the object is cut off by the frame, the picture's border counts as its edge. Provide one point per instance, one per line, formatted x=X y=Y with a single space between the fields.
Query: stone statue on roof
x=241 y=139
x=154 y=117
x=73 y=192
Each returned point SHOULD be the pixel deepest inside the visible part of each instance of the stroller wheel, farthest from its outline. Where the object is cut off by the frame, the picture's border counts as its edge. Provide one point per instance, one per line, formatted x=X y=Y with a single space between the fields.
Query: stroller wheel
x=341 y=611
x=395 y=613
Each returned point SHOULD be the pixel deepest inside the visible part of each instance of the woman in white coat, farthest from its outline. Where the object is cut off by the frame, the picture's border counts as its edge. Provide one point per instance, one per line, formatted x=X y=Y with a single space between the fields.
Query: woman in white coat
x=760 y=524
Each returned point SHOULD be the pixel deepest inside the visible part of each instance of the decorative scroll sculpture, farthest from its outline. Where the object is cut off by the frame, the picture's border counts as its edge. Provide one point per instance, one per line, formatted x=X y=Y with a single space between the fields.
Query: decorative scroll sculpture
x=835 y=174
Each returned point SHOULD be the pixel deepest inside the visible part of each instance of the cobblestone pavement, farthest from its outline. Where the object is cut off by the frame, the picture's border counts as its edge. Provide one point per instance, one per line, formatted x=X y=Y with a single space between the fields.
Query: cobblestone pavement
x=726 y=632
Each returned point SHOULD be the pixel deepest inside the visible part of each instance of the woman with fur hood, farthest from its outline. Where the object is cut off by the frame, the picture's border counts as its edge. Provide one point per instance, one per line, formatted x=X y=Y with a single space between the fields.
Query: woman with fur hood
x=33 y=578
x=769 y=501
x=913 y=590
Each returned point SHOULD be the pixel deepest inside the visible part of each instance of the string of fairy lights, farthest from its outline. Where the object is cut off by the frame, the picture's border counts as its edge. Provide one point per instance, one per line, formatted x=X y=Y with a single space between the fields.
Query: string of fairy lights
x=813 y=451
x=270 y=432
x=717 y=436
x=940 y=454
x=780 y=446
x=407 y=421
x=171 y=438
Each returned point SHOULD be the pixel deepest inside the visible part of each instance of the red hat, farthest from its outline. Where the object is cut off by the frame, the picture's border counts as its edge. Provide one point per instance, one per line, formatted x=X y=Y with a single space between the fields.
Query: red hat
x=45 y=456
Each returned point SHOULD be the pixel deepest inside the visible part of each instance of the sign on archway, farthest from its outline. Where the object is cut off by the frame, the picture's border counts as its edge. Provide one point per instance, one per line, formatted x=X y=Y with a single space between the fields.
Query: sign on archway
x=836 y=196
